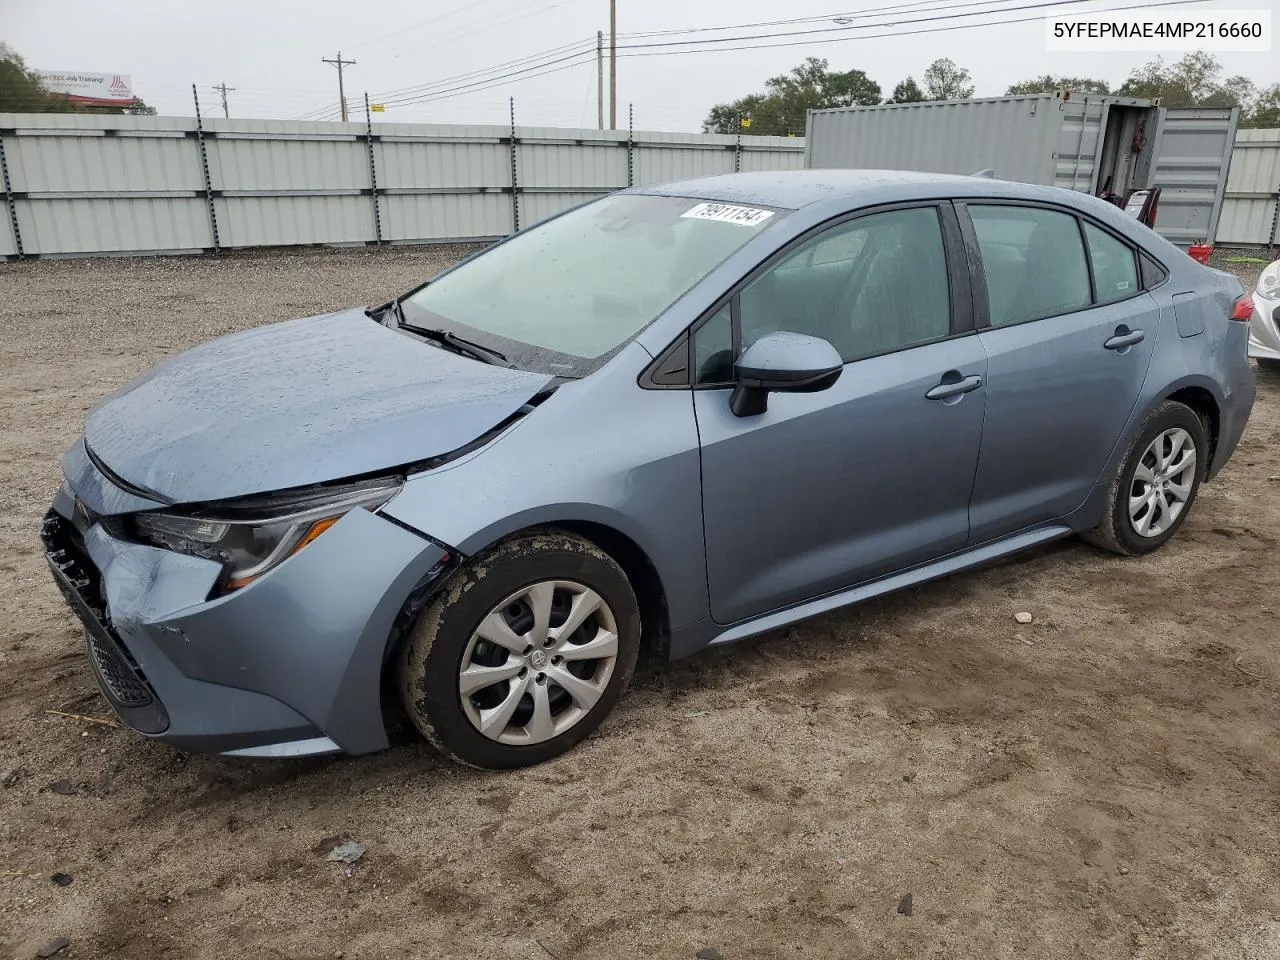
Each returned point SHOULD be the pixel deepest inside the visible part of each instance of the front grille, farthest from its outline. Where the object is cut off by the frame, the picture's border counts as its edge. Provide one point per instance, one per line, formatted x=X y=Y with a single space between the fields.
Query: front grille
x=81 y=585
x=64 y=549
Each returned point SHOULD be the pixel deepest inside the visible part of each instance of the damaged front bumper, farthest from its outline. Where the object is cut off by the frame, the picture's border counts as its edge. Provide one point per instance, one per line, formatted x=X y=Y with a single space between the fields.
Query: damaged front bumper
x=290 y=665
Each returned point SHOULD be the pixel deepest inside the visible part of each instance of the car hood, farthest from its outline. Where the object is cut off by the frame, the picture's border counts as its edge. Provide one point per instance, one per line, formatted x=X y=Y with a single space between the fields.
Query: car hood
x=297 y=403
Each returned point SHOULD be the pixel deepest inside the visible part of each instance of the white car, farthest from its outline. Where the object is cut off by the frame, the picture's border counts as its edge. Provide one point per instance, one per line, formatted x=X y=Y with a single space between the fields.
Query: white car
x=1264 y=328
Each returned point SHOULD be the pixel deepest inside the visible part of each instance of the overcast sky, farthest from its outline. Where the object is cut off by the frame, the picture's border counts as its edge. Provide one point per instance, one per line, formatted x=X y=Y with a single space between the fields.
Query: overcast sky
x=270 y=51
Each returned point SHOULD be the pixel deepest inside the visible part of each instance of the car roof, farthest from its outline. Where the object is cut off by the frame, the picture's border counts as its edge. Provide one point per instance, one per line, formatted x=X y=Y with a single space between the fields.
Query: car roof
x=834 y=191
x=793 y=189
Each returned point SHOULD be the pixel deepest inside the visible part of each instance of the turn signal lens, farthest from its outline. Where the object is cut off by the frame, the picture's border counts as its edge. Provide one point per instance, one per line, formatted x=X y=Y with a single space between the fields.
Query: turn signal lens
x=317 y=528
x=1243 y=309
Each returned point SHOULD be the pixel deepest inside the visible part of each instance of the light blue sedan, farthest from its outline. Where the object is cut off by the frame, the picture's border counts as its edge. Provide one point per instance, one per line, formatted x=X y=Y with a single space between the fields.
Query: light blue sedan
x=675 y=416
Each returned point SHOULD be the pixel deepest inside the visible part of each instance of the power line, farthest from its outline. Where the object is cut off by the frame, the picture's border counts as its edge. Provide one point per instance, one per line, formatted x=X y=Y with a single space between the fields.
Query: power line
x=839 y=17
x=579 y=53
x=709 y=47
x=484 y=85
x=471 y=28
x=542 y=55
x=580 y=57
x=1048 y=4
x=889 y=34
x=401 y=32
x=340 y=63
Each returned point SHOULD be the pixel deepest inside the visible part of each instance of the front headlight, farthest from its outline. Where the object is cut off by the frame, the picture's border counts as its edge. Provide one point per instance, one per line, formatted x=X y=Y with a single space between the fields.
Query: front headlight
x=1269 y=282
x=251 y=536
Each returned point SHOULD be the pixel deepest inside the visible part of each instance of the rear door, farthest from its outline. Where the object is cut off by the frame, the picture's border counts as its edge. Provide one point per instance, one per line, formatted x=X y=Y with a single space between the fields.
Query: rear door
x=1191 y=157
x=1068 y=333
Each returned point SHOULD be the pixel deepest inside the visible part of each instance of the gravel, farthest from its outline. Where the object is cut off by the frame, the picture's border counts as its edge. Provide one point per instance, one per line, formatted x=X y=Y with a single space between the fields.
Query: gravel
x=779 y=823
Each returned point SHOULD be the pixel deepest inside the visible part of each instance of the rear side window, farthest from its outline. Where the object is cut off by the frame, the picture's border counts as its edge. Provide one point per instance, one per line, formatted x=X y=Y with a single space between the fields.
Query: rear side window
x=1115 y=273
x=1034 y=261
x=1152 y=273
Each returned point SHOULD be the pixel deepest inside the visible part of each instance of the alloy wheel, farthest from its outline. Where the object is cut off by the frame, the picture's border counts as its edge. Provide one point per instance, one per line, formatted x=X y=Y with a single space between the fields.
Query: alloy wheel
x=538 y=662
x=1162 y=483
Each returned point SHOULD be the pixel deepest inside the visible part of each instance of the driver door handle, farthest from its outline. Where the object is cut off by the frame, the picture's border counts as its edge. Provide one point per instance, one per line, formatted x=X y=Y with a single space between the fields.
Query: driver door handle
x=944 y=391
x=1122 y=340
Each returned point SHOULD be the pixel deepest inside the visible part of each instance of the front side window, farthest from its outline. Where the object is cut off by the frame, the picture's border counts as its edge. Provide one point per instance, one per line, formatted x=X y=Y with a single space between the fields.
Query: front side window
x=1034 y=263
x=869 y=286
x=1115 y=273
x=566 y=294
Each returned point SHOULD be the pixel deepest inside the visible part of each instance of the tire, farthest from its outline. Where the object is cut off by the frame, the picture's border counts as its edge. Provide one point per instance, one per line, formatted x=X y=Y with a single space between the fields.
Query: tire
x=497 y=595
x=1119 y=530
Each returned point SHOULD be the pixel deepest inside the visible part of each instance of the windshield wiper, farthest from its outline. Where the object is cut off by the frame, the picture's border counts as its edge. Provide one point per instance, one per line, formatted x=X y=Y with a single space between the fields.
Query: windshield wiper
x=449 y=339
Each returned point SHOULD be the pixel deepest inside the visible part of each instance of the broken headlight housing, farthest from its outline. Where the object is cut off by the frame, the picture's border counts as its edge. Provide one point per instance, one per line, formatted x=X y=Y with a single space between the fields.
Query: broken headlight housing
x=251 y=536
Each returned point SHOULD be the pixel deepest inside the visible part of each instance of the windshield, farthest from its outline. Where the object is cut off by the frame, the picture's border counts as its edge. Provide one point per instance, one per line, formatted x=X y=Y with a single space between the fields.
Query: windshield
x=565 y=295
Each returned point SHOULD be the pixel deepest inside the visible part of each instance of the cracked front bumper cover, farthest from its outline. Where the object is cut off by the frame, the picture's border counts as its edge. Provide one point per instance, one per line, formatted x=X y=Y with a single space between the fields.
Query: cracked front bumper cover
x=288 y=666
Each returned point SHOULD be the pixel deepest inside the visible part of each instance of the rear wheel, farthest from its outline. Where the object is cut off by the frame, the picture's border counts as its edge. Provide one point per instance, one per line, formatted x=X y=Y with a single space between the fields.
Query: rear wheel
x=1158 y=482
x=524 y=654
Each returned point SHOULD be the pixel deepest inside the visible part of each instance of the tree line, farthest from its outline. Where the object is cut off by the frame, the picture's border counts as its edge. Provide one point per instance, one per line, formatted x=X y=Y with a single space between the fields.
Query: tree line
x=1196 y=80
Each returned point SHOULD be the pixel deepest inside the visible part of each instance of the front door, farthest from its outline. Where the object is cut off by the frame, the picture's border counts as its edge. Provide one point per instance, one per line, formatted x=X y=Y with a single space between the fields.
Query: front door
x=827 y=490
x=1069 y=340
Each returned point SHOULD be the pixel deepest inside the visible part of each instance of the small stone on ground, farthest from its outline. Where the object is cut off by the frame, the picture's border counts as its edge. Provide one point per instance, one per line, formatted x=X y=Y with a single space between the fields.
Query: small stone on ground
x=346 y=853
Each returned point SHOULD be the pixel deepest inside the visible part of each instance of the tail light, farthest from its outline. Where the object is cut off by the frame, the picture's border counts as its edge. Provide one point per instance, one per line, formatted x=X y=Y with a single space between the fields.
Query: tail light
x=1243 y=309
x=1201 y=252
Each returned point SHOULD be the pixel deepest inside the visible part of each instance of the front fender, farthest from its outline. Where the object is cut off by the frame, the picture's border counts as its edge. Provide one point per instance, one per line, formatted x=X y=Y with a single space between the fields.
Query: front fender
x=601 y=450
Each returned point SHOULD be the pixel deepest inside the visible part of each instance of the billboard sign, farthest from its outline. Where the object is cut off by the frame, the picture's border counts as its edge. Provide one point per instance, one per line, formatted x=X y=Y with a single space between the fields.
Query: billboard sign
x=90 y=89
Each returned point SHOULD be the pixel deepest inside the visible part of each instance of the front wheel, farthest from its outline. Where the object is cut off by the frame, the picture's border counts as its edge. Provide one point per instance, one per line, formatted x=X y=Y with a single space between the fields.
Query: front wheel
x=1158 y=482
x=523 y=654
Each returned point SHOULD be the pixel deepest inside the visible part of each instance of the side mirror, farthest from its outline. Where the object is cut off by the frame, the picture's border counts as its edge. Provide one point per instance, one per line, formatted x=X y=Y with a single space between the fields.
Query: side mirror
x=783 y=362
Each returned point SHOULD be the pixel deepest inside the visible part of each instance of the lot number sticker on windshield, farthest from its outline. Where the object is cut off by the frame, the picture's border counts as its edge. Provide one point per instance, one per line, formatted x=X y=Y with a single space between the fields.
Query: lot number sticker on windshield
x=728 y=213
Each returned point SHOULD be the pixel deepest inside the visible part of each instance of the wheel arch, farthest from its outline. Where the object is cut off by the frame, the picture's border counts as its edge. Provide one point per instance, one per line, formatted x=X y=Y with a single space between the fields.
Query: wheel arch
x=613 y=534
x=1206 y=406
x=1202 y=394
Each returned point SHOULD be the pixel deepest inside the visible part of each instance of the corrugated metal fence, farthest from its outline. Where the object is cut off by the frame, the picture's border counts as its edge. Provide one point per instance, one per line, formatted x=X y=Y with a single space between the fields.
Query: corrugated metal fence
x=78 y=184
x=1251 y=212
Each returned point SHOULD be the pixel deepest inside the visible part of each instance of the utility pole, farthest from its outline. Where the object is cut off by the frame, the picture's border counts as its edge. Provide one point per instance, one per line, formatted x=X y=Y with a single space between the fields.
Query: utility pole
x=342 y=96
x=223 y=89
x=600 y=79
x=613 y=64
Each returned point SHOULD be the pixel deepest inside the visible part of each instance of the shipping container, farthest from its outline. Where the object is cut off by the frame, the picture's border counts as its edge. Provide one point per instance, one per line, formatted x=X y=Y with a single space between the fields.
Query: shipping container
x=1091 y=144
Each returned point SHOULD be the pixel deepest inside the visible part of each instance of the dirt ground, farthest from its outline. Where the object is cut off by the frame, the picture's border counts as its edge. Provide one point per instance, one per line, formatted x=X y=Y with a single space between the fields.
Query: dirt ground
x=1100 y=783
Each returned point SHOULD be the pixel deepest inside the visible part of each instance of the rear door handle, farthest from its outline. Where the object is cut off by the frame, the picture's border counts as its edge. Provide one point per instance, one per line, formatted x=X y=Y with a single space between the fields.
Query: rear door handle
x=944 y=391
x=1122 y=340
